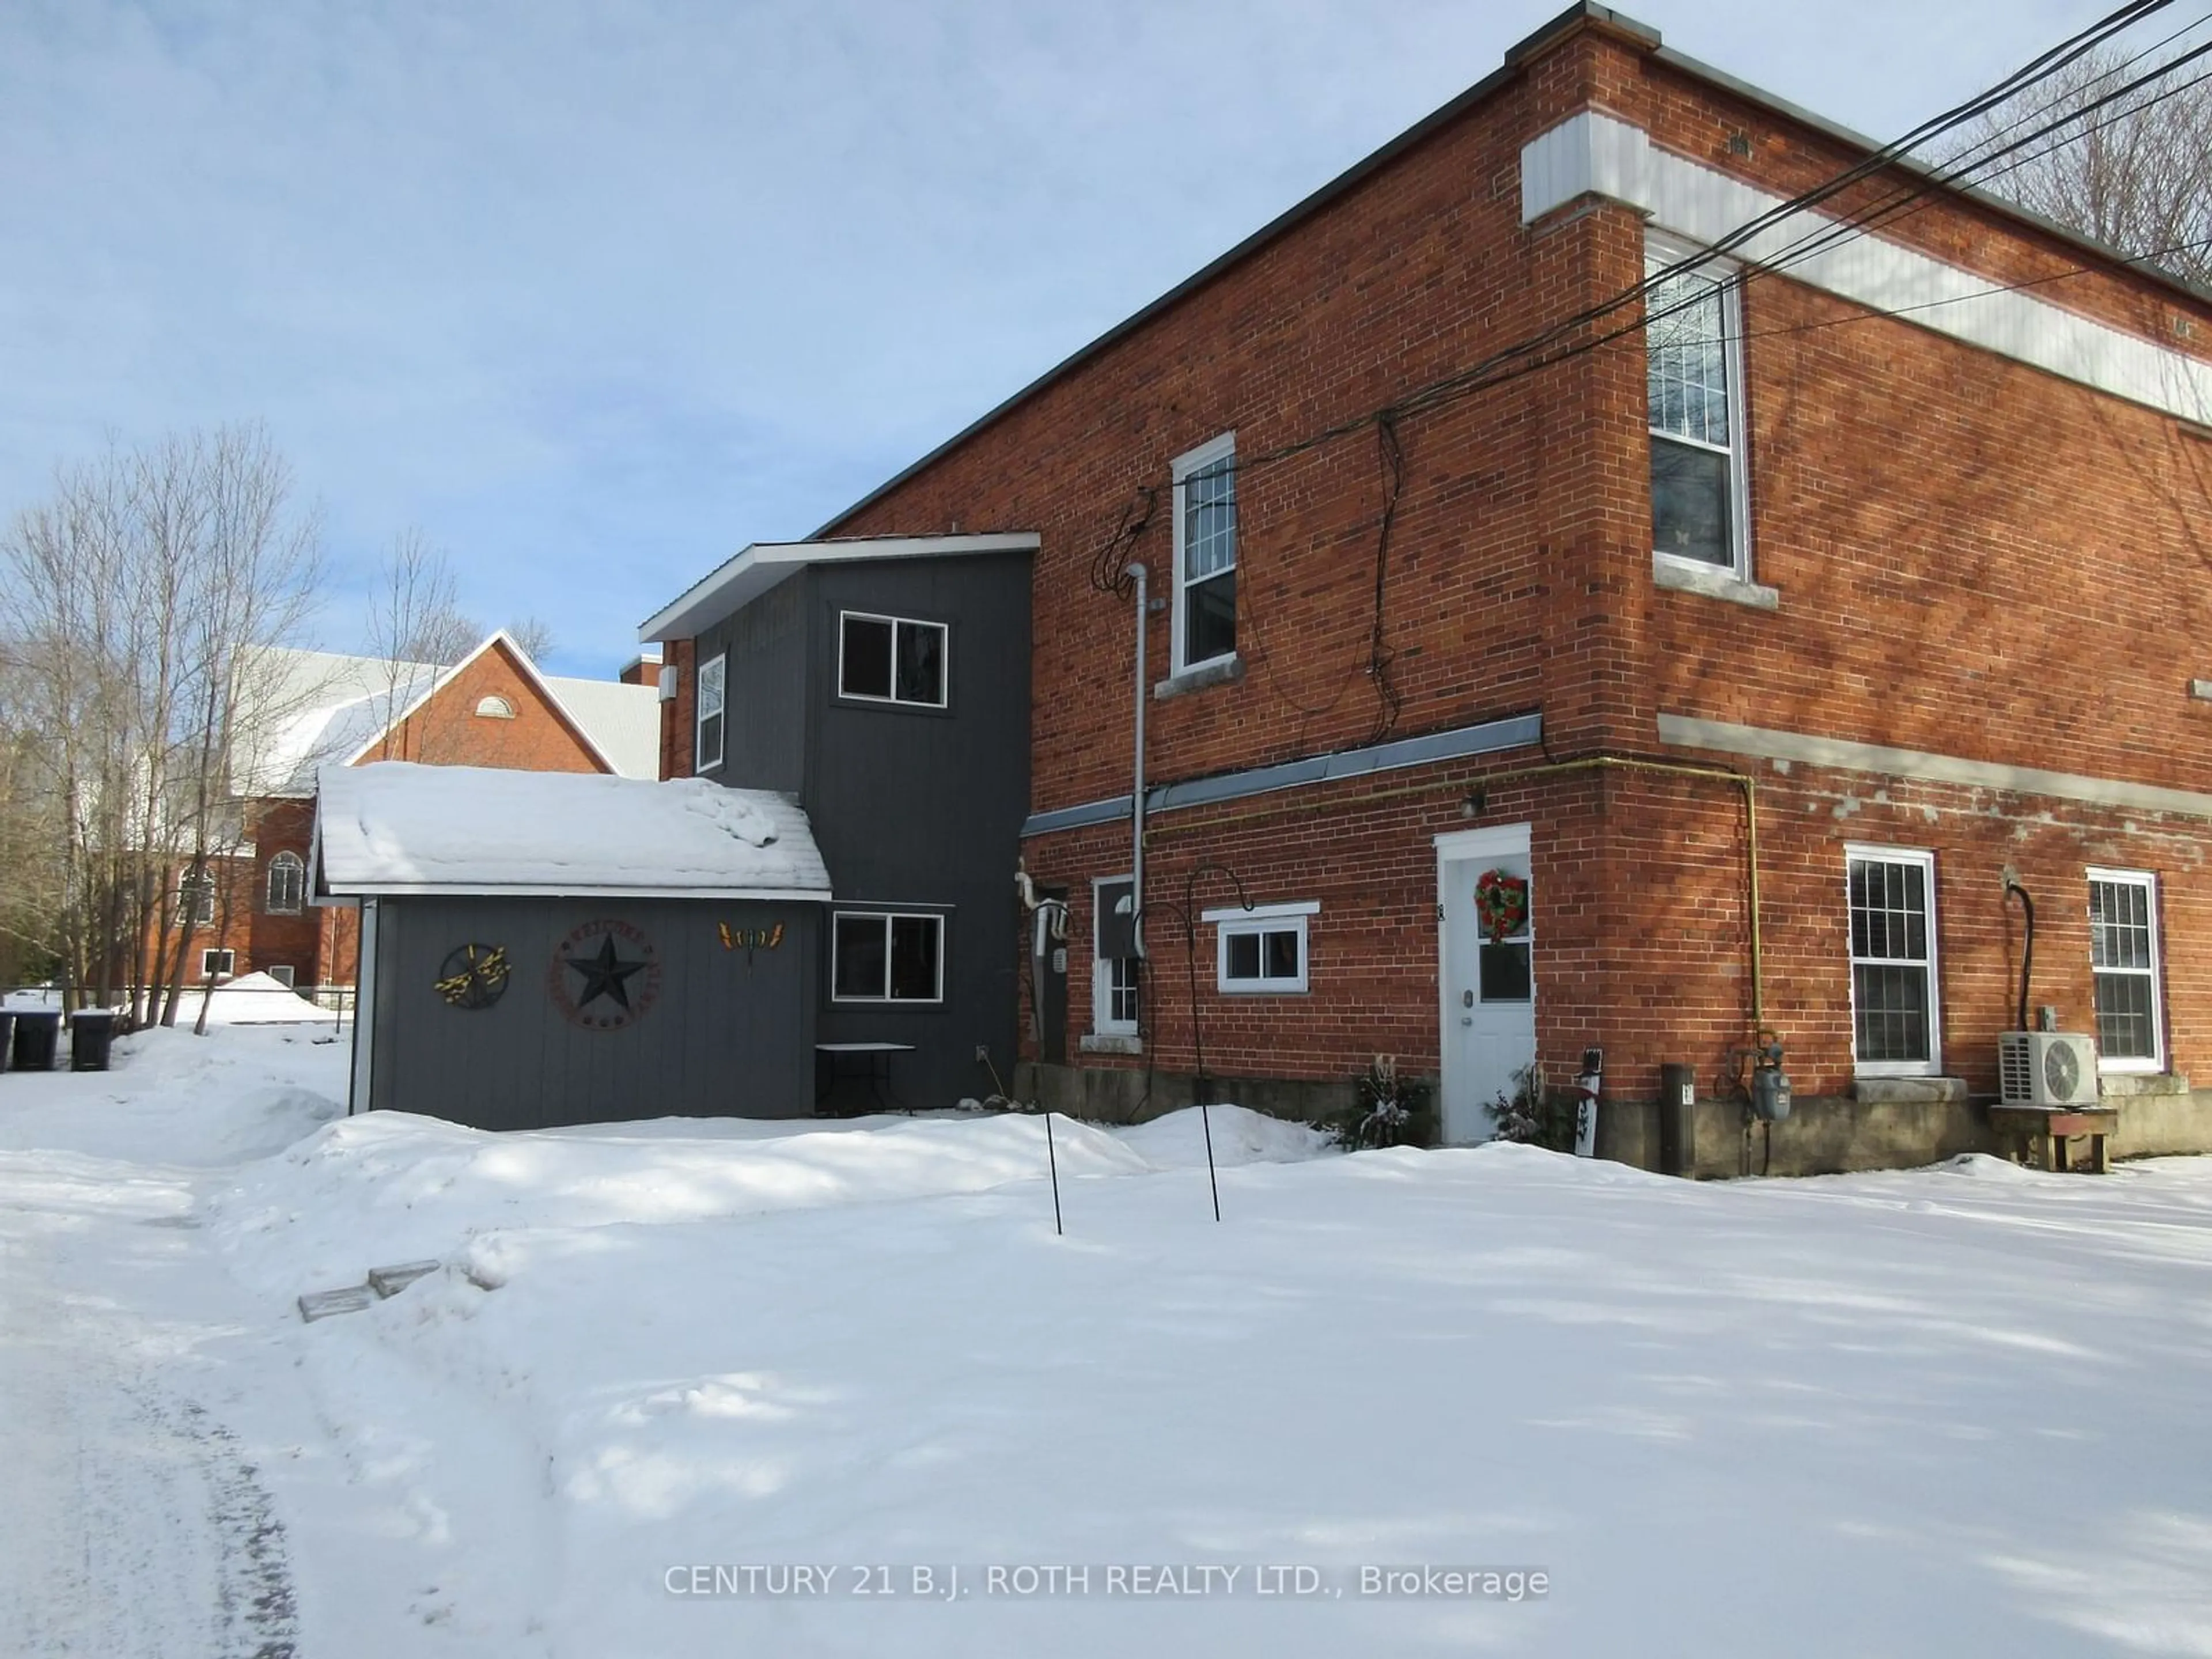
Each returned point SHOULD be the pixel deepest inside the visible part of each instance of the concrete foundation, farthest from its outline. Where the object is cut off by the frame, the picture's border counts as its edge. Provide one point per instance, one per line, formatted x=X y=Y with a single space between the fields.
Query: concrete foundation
x=1894 y=1125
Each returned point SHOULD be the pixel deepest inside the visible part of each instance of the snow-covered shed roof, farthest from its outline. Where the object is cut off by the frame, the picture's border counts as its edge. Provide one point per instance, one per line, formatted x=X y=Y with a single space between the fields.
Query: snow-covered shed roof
x=396 y=827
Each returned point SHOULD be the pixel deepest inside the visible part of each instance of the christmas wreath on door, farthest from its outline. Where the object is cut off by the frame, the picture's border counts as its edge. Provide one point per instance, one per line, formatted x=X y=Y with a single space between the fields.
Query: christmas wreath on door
x=1501 y=903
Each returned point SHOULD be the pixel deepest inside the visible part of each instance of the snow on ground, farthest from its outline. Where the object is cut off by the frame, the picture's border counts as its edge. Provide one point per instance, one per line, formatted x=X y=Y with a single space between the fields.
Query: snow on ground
x=1958 y=1409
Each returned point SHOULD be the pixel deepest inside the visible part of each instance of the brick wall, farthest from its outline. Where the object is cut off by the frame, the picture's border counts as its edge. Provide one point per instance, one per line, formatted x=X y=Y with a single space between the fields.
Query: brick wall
x=448 y=731
x=1974 y=558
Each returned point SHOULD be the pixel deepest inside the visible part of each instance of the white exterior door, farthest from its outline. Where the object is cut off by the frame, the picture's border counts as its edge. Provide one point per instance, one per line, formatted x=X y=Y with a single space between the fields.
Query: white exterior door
x=1488 y=986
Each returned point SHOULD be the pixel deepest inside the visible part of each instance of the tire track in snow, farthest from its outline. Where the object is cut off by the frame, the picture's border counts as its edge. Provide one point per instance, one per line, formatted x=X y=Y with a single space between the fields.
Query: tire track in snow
x=134 y=1524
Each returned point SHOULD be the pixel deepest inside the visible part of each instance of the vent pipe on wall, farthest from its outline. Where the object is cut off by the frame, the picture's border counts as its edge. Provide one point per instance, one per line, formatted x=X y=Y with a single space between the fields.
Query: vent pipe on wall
x=1137 y=791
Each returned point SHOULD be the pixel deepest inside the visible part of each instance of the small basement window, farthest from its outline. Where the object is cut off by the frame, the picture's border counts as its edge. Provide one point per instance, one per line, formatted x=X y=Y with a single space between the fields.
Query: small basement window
x=217 y=964
x=281 y=972
x=1262 y=950
x=495 y=708
x=890 y=659
x=887 y=958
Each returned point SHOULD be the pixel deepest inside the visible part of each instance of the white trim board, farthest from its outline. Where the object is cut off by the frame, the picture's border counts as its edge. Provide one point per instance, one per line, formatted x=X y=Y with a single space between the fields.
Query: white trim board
x=1260 y=912
x=750 y=572
x=1687 y=731
x=1595 y=154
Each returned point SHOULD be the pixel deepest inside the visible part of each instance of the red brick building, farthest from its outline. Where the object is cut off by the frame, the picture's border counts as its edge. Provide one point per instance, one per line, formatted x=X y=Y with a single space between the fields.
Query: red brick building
x=1765 y=643
x=494 y=708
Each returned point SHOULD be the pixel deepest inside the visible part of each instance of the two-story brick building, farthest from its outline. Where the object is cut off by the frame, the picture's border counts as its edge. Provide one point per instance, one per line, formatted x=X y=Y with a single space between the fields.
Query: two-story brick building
x=1521 y=679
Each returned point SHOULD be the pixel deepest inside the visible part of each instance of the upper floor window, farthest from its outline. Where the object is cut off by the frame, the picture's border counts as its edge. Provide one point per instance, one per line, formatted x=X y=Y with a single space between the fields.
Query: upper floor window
x=2124 y=965
x=288 y=884
x=1205 y=554
x=890 y=659
x=1894 y=1028
x=496 y=707
x=195 y=900
x=706 y=744
x=1694 y=380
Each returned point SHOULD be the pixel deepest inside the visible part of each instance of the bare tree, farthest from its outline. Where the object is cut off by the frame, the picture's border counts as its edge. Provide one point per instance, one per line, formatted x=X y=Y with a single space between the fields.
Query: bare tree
x=2135 y=172
x=535 y=635
x=414 y=613
x=131 y=602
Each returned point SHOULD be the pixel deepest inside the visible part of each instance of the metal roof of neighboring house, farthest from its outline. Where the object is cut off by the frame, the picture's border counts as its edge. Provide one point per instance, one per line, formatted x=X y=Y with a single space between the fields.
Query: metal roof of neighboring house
x=625 y=721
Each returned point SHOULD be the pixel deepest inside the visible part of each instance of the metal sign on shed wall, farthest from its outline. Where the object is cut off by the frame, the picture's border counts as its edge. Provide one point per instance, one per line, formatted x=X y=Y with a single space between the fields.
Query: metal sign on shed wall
x=604 y=975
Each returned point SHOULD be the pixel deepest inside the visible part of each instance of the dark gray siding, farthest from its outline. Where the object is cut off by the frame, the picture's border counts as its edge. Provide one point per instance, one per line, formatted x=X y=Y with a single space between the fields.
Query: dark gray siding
x=924 y=808
x=727 y=1035
x=765 y=744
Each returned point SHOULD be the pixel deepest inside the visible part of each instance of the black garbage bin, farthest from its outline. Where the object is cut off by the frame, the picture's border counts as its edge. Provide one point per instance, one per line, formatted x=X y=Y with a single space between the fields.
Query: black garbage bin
x=7 y=1035
x=38 y=1033
x=92 y=1033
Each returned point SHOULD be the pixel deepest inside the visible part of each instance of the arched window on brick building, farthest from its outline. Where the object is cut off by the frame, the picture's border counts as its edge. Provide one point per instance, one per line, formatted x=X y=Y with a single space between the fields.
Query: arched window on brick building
x=288 y=884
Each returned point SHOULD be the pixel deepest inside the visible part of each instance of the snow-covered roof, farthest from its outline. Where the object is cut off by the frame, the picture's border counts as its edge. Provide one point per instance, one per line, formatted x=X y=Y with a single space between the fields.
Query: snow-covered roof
x=751 y=572
x=396 y=827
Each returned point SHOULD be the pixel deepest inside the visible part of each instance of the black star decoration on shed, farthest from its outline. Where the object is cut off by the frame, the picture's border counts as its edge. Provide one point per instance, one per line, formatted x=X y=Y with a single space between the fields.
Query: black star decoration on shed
x=606 y=975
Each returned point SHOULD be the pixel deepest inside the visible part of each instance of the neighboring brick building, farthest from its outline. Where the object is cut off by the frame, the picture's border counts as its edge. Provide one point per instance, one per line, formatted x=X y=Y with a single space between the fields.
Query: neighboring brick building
x=494 y=708
x=1891 y=547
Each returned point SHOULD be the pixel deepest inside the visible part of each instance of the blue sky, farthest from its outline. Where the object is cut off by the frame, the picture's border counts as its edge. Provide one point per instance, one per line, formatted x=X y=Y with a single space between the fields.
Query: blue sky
x=593 y=295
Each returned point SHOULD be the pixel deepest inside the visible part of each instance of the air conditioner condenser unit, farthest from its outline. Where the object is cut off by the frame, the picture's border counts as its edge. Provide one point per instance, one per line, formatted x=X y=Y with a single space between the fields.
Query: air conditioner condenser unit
x=2046 y=1068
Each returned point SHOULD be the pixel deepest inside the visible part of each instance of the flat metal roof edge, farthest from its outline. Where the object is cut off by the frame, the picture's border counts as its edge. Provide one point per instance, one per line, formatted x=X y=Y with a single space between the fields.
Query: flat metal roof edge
x=1460 y=742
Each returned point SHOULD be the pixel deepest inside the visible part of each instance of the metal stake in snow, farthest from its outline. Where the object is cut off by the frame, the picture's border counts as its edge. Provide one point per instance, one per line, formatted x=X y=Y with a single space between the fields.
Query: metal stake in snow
x=1205 y=1122
x=1052 y=1161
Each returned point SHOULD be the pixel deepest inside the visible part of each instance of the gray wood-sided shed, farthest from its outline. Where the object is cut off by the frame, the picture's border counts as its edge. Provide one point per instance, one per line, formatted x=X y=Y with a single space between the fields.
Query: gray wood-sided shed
x=545 y=949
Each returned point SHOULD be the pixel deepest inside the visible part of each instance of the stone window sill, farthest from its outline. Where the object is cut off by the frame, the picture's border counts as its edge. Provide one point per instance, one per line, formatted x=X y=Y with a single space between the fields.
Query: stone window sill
x=1909 y=1090
x=1712 y=583
x=1229 y=669
x=1092 y=1043
x=2135 y=1085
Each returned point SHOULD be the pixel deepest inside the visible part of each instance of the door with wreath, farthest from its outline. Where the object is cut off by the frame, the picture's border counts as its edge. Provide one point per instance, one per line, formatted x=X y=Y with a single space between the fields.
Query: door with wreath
x=1487 y=972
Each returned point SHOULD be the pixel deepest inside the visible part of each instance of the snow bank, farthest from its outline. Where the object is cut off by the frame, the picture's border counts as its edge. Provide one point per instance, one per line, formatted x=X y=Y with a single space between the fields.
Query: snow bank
x=422 y=1188
x=234 y=1095
x=394 y=826
x=252 y=999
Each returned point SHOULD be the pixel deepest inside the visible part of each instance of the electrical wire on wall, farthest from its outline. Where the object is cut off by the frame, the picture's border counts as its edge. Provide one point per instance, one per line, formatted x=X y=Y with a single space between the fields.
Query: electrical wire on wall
x=1531 y=354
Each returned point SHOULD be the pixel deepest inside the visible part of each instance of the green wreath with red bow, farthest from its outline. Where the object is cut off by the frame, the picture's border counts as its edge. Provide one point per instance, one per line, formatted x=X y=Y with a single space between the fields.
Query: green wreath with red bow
x=1501 y=903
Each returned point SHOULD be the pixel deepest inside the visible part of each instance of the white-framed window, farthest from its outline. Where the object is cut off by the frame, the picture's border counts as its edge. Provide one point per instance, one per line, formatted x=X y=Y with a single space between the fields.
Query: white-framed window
x=2124 y=966
x=1263 y=950
x=217 y=964
x=1896 y=1024
x=282 y=973
x=195 y=900
x=891 y=660
x=495 y=708
x=886 y=957
x=706 y=743
x=288 y=884
x=1113 y=957
x=1205 y=554
x=1693 y=368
